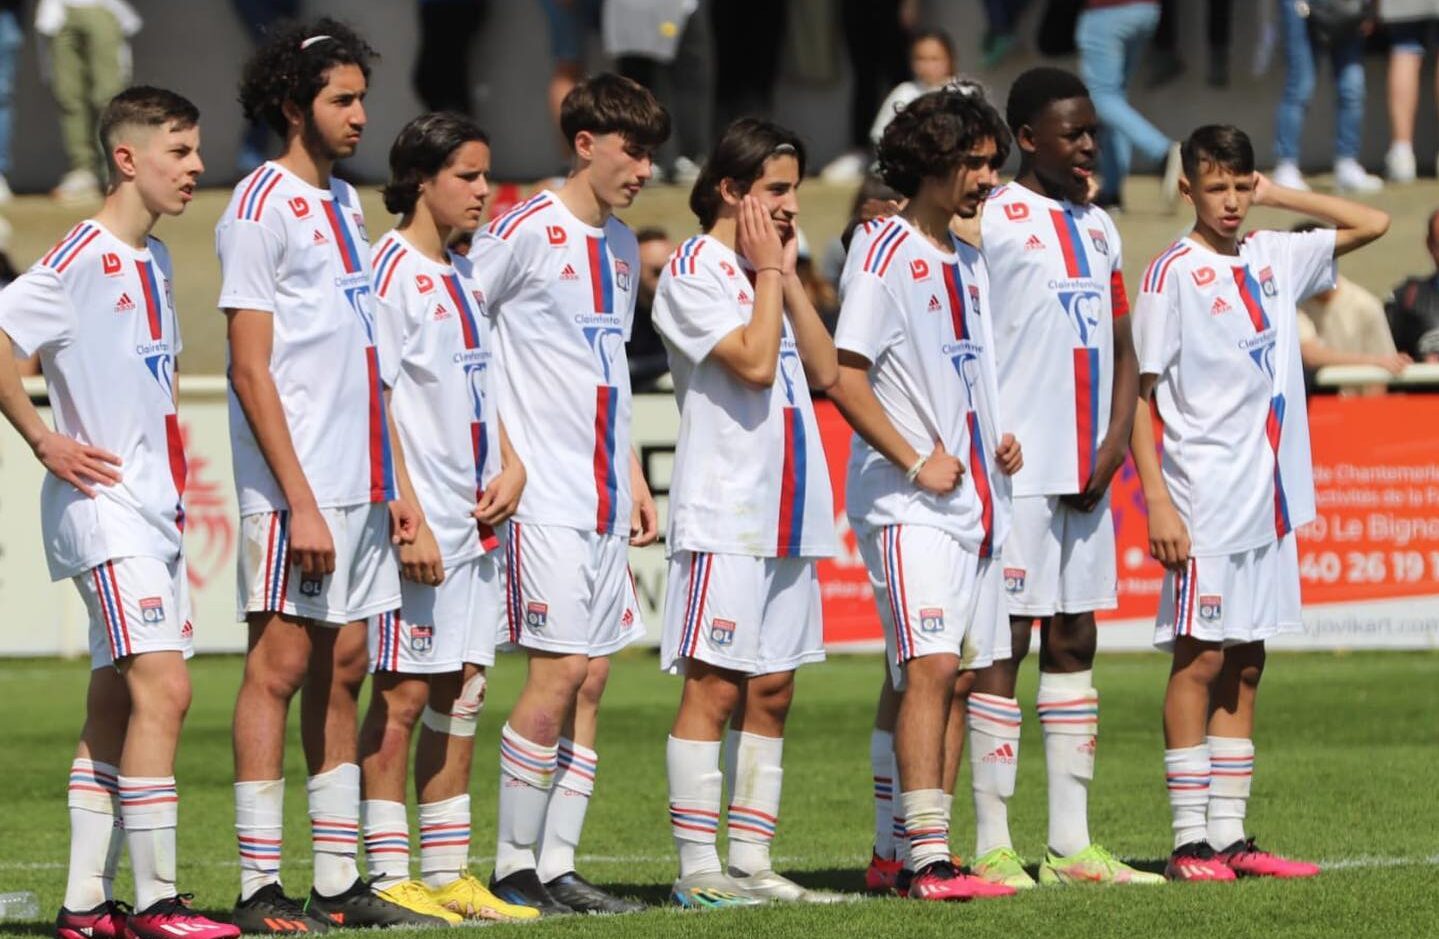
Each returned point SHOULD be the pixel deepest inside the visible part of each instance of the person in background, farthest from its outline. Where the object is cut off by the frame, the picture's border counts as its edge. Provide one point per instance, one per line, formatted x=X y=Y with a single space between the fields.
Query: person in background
x=258 y=16
x=931 y=63
x=648 y=361
x=746 y=58
x=10 y=40
x=874 y=37
x=1411 y=27
x=1165 y=63
x=1000 y=19
x=669 y=48
x=442 y=63
x=570 y=23
x=1111 y=35
x=1346 y=48
x=1413 y=308
x=89 y=63
x=1345 y=325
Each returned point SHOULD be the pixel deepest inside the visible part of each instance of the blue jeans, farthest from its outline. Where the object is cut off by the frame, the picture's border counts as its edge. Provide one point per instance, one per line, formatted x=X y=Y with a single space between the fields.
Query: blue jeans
x=9 y=56
x=1299 y=67
x=1111 y=41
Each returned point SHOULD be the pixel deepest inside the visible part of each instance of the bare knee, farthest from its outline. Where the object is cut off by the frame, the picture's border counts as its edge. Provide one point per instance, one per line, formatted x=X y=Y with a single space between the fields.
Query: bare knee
x=1021 y=628
x=1068 y=643
x=709 y=698
x=1197 y=663
x=597 y=676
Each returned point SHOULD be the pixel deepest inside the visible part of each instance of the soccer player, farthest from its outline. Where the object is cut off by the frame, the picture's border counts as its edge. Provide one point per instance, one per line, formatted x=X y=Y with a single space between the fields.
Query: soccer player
x=928 y=490
x=750 y=509
x=429 y=656
x=559 y=279
x=1218 y=351
x=99 y=311
x=1065 y=353
x=314 y=470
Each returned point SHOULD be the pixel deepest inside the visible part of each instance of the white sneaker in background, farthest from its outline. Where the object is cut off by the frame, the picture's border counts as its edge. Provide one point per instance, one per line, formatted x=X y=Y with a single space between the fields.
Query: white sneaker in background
x=76 y=186
x=1287 y=174
x=686 y=171
x=1350 y=177
x=1169 y=183
x=1399 y=163
x=5 y=194
x=845 y=168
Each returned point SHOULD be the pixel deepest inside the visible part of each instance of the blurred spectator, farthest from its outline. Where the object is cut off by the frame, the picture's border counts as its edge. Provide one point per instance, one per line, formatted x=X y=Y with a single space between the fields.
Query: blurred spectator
x=668 y=47
x=89 y=63
x=1413 y=309
x=10 y=39
x=1166 y=64
x=1315 y=354
x=30 y=366
x=747 y=38
x=646 y=350
x=258 y=16
x=1000 y=19
x=1343 y=36
x=873 y=199
x=570 y=24
x=1349 y=319
x=931 y=63
x=1111 y=36
x=1411 y=26
x=819 y=290
x=874 y=37
x=442 y=65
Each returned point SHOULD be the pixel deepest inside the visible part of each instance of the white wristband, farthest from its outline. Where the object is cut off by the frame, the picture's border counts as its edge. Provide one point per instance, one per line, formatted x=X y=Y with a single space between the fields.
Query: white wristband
x=911 y=474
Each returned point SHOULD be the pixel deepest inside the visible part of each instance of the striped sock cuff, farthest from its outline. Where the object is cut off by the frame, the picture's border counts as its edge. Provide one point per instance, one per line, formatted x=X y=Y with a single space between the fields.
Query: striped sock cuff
x=898 y=829
x=148 y=802
x=259 y=853
x=1231 y=767
x=331 y=835
x=994 y=715
x=747 y=823
x=883 y=789
x=1187 y=774
x=444 y=835
x=527 y=761
x=94 y=786
x=387 y=842
x=693 y=823
x=1069 y=713
x=575 y=767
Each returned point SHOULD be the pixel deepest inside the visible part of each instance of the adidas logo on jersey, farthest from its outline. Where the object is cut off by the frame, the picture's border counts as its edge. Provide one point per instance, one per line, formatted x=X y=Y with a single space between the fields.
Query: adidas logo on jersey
x=1004 y=753
x=320 y=238
x=441 y=312
x=934 y=305
x=1033 y=244
x=744 y=298
x=569 y=273
x=124 y=304
x=1219 y=307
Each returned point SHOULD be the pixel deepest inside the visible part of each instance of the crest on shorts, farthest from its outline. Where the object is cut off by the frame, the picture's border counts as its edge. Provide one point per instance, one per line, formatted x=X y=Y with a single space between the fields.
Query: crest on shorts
x=152 y=610
x=931 y=619
x=422 y=639
x=722 y=631
x=1013 y=580
x=311 y=586
x=1211 y=607
x=536 y=614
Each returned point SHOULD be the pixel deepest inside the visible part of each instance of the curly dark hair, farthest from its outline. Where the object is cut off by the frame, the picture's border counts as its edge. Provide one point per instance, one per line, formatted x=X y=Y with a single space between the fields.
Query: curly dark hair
x=935 y=133
x=291 y=65
x=423 y=147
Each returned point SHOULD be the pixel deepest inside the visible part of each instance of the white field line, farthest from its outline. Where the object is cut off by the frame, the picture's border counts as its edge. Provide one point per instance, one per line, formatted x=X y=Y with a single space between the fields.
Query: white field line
x=1365 y=862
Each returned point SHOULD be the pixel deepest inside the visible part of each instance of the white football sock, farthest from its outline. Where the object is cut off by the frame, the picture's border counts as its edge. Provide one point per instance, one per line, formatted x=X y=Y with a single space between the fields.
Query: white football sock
x=753 y=771
x=1186 y=774
x=334 y=798
x=387 y=841
x=151 y=809
x=575 y=769
x=696 y=788
x=994 y=763
x=1068 y=709
x=444 y=840
x=881 y=764
x=527 y=773
x=1231 y=771
x=94 y=801
x=259 y=822
x=924 y=822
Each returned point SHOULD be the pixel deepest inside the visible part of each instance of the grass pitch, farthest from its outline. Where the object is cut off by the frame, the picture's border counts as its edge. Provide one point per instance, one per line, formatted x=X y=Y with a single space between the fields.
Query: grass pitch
x=1348 y=759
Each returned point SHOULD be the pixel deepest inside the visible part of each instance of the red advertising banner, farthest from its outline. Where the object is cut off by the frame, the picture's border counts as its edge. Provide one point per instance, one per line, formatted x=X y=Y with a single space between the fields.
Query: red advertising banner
x=1376 y=475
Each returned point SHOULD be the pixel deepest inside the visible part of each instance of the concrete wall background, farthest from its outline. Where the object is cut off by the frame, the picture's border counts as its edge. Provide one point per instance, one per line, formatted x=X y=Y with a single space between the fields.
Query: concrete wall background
x=197 y=47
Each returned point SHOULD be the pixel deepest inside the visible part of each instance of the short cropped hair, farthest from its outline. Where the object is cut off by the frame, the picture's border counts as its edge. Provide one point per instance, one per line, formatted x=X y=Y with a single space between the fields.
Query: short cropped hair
x=740 y=154
x=1221 y=145
x=611 y=104
x=1037 y=89
x=292 y=64
x=934 y=133
x=425 y=146
x=142 y=106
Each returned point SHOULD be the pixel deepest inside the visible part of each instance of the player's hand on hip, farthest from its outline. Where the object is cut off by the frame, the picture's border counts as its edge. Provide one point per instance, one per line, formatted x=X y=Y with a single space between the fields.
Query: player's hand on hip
x=1009 y=454
x=1168 y=537
x=502 y=496
x=312 y=547
x=757 y=238
x=405 y=521
x=79 y=464
x=941 y=472
x=420 y=559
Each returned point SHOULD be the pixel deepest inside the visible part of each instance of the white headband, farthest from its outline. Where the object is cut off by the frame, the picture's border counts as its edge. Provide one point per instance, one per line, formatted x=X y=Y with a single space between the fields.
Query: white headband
x=312 y=40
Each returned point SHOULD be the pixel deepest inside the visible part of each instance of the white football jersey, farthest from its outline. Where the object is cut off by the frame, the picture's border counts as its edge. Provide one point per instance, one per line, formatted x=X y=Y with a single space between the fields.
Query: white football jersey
x=303 y=254
x=435 y=358
x=921 y=316
x=1217 y=331
x=1057 y=286
x=102 y=317
x=561 y=295
x=750 y=475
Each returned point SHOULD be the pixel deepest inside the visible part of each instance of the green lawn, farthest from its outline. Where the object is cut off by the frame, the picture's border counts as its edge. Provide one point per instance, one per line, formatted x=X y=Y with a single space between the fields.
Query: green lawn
x=1348 y=762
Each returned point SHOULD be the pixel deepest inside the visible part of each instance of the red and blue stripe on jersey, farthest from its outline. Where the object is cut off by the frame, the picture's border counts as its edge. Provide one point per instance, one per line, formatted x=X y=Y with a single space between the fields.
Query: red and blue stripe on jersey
x=892 y=553
x=112 y=610
x=1158 y=269
x=387 y=646
x=1086 y=411
x=1076 y=260
x=506 y=225
x=697 y=595
x=793 y=481
x=479 y=441
x=1250 y=295
x=884 y=247
x=386 y=263
x=344 y=238
x=607 y=395
x=174 y=441
x=685 y=260
x=69 y=248
x=978 y=463
x=262 y=182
